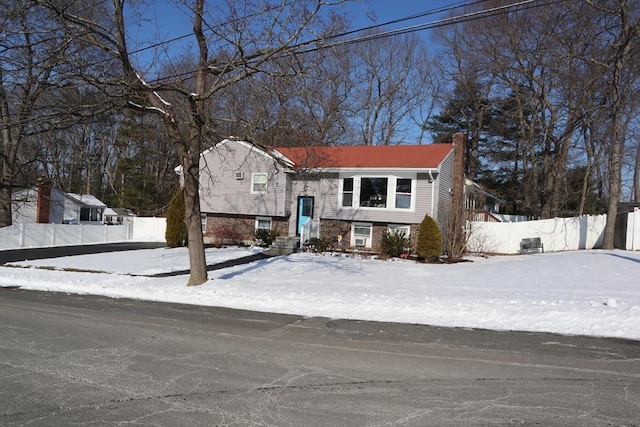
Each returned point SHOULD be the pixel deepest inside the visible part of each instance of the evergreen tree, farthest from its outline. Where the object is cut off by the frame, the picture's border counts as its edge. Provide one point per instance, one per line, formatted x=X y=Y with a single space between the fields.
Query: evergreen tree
x=468 y=111
x=429 y=239
x=176 y=233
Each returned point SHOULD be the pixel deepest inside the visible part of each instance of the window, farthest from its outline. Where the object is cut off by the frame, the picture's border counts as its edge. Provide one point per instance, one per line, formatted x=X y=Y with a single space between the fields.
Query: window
x=361 y=235
x=399 y=228
x=263 y=223
x=90 y=214
x=403 y=193
x=203 y=222
x=373 y=192
x=347 y=192
x=377 y=192
x=259 y=182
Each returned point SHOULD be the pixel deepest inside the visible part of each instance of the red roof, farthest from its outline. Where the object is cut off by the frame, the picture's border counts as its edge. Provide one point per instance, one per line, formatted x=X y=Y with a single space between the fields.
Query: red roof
x=366 y=156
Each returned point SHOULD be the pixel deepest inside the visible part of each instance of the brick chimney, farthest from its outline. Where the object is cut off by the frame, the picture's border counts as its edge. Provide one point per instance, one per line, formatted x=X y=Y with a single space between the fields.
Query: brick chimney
x=455 y=235
x=43 y=201
x=457 y=186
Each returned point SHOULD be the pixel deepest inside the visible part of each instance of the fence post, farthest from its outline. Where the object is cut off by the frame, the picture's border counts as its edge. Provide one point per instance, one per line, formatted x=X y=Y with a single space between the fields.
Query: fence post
x=21 y=242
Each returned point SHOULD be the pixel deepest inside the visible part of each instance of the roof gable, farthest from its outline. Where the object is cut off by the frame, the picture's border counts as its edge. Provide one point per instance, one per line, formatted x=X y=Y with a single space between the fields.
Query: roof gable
x=362 y=156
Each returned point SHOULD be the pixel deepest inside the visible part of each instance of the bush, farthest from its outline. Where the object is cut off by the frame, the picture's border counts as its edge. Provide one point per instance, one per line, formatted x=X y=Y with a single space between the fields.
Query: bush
x=394 y=243
x=176 y=232
x=264 y=238
x=318 y=245
x=227 y=234
x=429 y=239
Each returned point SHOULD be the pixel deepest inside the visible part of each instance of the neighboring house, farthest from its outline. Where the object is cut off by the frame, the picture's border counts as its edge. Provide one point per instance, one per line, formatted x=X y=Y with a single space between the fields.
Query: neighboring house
x=44 y=204
x=481 y=205
x=355 y=192
x=115 y=216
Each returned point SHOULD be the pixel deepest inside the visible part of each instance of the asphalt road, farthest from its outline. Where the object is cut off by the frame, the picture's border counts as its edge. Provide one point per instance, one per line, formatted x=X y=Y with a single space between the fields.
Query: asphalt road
x=24 y=254
x=86 y=360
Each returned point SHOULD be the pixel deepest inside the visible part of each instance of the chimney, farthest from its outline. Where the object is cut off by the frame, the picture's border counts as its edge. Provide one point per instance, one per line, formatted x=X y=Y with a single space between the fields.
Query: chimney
x=43 y=202
x=457 y=186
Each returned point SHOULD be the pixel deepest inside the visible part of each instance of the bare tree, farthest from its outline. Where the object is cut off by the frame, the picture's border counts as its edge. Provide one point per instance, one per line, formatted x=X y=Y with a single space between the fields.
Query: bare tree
x=31 y=58
x=621 y=34
x=556 y=75
x=234 y=41
x=387 y=75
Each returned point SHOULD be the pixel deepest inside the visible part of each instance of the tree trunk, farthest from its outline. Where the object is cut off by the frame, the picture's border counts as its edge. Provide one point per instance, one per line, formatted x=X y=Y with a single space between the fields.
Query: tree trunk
x=8 y=151
x=622 y=58
x=636 y=174
x=197 y=259
x=614 y=190
x=5 y=202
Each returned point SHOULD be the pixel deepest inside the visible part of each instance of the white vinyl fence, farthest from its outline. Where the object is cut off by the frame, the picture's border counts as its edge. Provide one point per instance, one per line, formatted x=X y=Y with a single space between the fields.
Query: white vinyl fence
x=633 y=231
x=38 y=235
x=557 y=234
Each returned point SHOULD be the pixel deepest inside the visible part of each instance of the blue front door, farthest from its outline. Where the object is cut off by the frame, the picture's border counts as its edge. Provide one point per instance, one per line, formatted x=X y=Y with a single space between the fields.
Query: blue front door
x=305 y=211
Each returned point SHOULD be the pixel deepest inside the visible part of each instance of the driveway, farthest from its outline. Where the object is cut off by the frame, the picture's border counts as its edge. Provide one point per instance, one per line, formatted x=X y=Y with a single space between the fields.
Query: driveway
x=23 y=254
x=80 y=359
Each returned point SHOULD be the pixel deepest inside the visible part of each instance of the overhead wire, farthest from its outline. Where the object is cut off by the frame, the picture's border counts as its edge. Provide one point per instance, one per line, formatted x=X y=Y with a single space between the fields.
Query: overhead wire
x=338 y=39
x=320 y=43
x=191 y=73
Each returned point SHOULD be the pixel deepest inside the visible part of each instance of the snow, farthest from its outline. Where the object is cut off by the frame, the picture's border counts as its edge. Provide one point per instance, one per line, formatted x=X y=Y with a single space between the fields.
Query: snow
x=590 y=292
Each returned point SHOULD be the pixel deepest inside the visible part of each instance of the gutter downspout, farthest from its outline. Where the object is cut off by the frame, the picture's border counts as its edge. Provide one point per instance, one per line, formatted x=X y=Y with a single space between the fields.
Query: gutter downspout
x=433 y=193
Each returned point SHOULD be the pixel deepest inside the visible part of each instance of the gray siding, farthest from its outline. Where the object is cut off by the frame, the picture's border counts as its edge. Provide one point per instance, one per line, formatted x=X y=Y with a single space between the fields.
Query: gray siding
x=60 y=207
x=326 y=190
x=221 y=192
x=445 y=181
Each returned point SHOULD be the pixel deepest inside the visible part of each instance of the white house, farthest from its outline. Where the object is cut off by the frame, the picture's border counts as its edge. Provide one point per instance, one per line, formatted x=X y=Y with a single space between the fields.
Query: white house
x=43 y=204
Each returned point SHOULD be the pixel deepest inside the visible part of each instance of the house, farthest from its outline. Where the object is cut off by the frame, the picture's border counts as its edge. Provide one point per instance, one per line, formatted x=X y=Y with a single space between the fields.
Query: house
x=43 y=204
x=354 y=193
x=481 y=205
x=116 y=216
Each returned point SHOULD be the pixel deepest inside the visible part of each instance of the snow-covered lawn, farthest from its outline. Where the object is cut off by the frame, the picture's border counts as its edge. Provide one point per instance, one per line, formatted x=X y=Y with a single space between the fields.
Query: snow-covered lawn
x=584 y=292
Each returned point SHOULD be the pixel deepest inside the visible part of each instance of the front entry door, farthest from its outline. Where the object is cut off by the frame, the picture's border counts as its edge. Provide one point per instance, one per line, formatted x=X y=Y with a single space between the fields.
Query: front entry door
x=305 y=211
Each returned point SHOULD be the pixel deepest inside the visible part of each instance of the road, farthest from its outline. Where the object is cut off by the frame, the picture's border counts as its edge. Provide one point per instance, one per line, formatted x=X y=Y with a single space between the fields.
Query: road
x=79 y=360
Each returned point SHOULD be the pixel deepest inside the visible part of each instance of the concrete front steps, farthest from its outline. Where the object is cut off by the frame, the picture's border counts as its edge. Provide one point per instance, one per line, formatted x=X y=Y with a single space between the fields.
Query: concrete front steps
x=284 y=245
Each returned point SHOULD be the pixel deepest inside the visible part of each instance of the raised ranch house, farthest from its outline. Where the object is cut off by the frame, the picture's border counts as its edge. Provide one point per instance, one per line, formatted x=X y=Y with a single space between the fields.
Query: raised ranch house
x=352 y=194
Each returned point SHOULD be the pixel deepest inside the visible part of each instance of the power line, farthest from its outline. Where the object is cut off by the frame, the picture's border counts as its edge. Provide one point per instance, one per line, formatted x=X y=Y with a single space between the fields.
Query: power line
x=320 y=43
x=470 y=16
x=309 y=43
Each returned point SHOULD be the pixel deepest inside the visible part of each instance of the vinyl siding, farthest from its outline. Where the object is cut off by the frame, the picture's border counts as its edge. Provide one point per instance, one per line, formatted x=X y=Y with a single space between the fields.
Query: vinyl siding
x=60 y=207
x=221 y=192
x=327 y=200
x=445 y=181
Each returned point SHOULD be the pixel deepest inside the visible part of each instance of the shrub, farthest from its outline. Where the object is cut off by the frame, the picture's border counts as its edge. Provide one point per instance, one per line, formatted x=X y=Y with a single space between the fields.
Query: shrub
x=319 y=245
x=264 y=238
x=227 y=234
x=394 y=243
x=429 y=239
x=176 y=232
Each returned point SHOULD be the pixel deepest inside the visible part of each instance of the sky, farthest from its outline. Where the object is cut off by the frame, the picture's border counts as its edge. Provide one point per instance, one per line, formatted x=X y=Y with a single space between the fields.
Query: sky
x=161 y=19
x=171 y=22
x=588 y=292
